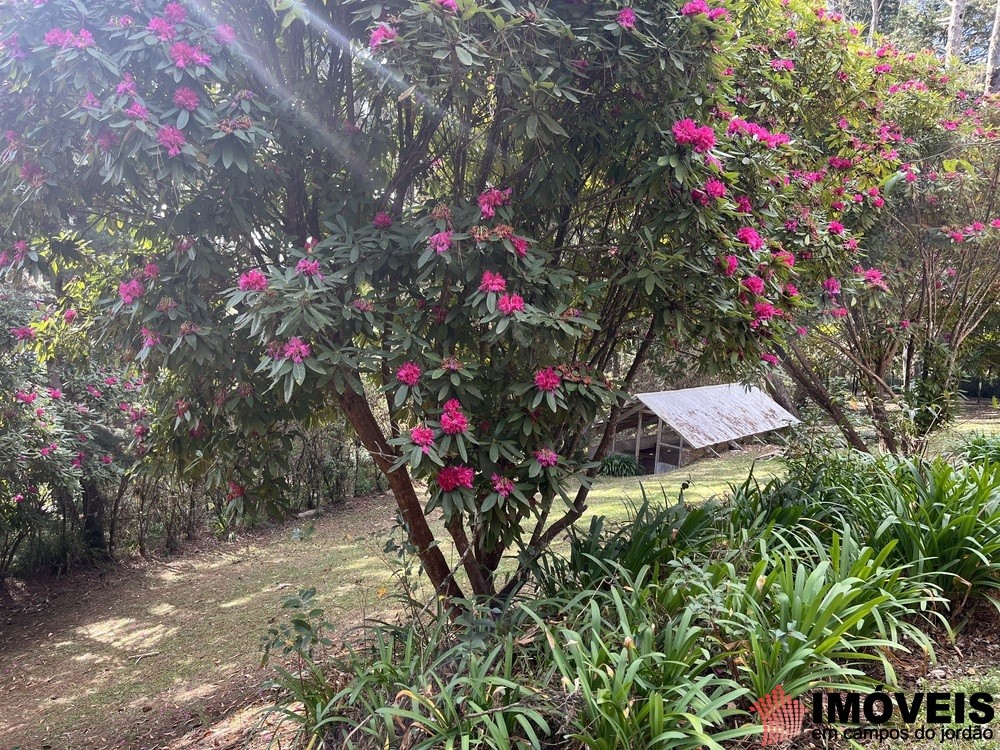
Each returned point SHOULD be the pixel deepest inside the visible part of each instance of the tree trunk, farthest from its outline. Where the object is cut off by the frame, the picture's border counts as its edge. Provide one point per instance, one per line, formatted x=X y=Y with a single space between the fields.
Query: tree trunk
x=815 y=390
x=93 y=516
x=781 y=395
x=873 y=26
x=359 y=413
x=992 y=63
x=956 y=25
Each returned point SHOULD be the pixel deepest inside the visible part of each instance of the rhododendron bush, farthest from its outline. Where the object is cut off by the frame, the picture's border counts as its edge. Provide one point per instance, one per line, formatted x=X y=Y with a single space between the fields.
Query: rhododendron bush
x=469 y=215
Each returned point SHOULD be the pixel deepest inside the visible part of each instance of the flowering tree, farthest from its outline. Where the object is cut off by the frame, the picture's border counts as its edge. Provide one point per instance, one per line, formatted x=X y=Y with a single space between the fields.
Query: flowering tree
x=471 y=212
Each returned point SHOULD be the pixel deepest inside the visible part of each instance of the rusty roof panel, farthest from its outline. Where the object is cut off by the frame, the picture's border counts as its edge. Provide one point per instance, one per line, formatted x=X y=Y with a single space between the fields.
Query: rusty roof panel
x=717 y=414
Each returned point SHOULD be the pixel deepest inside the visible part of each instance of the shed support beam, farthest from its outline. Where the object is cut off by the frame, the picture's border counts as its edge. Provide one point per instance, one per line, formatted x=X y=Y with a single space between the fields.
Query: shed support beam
x=638 y=436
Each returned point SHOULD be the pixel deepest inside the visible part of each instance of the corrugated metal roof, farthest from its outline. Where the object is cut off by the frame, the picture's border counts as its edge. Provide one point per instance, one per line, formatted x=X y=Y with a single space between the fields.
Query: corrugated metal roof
x=717 y=413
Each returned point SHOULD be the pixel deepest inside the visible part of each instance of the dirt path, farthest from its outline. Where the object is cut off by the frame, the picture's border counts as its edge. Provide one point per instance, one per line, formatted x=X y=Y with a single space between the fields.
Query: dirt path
x=151 y=656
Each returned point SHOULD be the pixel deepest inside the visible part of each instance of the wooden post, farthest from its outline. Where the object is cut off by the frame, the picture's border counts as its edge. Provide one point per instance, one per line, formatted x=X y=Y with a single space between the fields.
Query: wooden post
x=638 y=435
x=680 y=450
x=659 y=436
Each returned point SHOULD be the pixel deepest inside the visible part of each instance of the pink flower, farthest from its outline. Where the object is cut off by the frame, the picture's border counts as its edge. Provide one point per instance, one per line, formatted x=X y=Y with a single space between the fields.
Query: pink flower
x=307 y=267
x=546 y=457
x=874 y=279
x=49 y=449
x=185 y=55
x=26 y=397
x=744 y=205
x=90 y=101
x=449 y=5
x=839 y=312
x=510 y=303
x=130 y=291
x=783 y=65
x=547 y=380
x=225 y=34
x=58 y=38
x=492 y=282
x=174 y=12
x=296 y=350
x=784 y=258
x=694 y=8
x=520 y=246
x=749 y=236
x=70 y=315
x=171 y=139
x=769 y=358
x=54 y=393
x=835 y=227
x=764 y=311
x=754 y=284
x=23 y=333
x=149 y=338
x=904 y=324
x=715 y=188
x=363 y=305
x=151 y=271
x=409 y=374
x=423 y=437
x=382 y=220
x=502 y=485
x=729 y=265
x=626 y=18
x=236 y=491
x=832 y=286
x=137 y=111
x=440 y=242
x=162 y=29
x=186 y=98
x=687 y=133
x=791 y=290
x=253 y=281
x=451 y=478
x=453 y=420
x=491 y=199
x=380 y=35
x=716 y=13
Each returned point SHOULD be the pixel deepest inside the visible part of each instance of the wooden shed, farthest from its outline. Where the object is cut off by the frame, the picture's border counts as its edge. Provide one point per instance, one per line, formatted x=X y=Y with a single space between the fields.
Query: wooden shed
x=668 y=429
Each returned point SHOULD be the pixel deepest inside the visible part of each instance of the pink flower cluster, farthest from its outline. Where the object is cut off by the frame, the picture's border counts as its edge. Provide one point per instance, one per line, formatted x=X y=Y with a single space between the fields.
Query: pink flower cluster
x=510 y=304
x=187 y=55
x=130 y=291
x=307 y=267
x=175 y=12
x=149 y=338
x=546 y=457
x=626 y=18
x=754 y=284
x=729 y=265
x=832 y=286
x=759 y=133
x=380 y=35
x=64 y=39
x=694 y=8
x=492 y=282
x=502 y=485
x=296 y=350
x=440 y=242
x=547 y=380
x=422 y=437
x=873 y=278
x=253 y=281
x=23 y=333
x=409 y=374
x=186 y=98
x=453 y=420
x=171 y=139
x=687 y=133
x=749 y=236
x=382 y=220
x=491 y=199
x=781 y=64
x=162 y=29
x=451 y=478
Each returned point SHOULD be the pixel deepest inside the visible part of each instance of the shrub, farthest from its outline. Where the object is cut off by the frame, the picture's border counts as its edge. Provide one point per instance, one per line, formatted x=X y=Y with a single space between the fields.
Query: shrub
x=620 y=465
x=945 y=520
x=981 y=449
